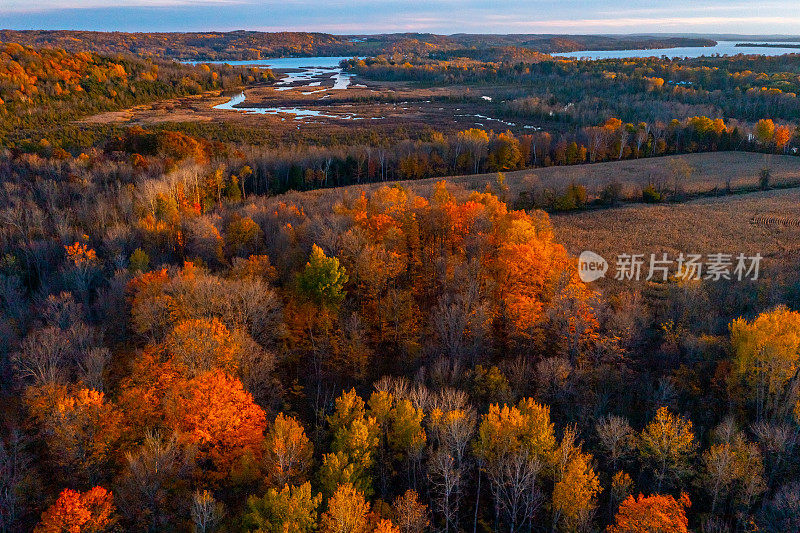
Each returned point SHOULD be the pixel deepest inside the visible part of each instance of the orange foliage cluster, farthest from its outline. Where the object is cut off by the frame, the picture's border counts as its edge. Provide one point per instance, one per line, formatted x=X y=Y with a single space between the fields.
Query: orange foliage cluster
x=214 y=413
x=75 y=512
x=652 y=514
x=26 y=74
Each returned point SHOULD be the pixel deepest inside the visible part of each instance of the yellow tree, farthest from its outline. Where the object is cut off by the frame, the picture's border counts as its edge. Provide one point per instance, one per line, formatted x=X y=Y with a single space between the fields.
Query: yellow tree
x=348 y=512
x=765 y=131
x=514 y=445
x=575 y=494
x=766 y=357
x=666 y=445
x=402 y=437
x=287 y=452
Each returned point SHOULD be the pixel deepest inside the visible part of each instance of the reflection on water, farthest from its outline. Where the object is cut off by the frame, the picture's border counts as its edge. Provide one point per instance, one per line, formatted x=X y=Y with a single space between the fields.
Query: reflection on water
x=307 y=69
x=724 y=48
x=234 y=104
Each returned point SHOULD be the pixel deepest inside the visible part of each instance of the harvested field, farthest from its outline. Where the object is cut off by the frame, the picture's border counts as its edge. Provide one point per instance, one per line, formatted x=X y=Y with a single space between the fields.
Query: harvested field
x=711 y=225
x=710 y=172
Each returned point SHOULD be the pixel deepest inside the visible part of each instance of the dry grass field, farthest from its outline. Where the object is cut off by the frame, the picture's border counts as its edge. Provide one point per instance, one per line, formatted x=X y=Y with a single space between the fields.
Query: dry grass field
x=710 y=172
x=711 y=225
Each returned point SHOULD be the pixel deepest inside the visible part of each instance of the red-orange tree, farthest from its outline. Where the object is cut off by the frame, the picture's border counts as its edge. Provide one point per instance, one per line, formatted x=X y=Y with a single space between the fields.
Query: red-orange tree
x=75 y=512
x=652 y=514
x=215 y=414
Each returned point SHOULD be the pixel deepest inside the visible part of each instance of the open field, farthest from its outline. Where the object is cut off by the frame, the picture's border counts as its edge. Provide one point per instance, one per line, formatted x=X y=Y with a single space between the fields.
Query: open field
x=710 y=225
x=710 y=172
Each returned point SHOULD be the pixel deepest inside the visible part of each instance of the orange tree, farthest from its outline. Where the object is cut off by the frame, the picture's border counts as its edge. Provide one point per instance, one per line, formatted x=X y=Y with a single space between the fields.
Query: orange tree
x=652 y=514
x=74 y=512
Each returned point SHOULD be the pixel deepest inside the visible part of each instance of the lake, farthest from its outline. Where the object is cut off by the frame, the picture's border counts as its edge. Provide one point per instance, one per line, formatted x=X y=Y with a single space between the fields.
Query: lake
x=725 y=48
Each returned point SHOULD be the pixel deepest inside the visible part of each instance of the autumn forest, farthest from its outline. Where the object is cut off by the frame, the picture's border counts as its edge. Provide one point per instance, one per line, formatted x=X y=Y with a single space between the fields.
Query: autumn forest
x=219 y=320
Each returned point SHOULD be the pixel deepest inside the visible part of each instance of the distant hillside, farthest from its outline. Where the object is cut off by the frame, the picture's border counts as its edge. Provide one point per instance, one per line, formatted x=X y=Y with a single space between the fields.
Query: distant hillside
x=255 y=45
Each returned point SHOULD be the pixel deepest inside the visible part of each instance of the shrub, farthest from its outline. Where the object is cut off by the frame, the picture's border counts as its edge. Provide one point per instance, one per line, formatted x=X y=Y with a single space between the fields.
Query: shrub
x=651 y=196
x=611 y=193
x=764 y=178
x=574 y=198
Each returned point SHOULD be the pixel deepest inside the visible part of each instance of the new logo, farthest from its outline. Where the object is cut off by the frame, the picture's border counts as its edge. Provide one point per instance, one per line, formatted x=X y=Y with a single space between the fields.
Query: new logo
x=591 y=266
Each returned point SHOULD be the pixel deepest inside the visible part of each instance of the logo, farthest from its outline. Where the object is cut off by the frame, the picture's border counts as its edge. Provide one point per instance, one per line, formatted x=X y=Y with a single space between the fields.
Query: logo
x=591 y=266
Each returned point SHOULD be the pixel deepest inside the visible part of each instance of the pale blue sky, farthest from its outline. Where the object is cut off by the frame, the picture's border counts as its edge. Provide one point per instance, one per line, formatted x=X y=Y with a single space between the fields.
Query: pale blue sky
x=437 y=16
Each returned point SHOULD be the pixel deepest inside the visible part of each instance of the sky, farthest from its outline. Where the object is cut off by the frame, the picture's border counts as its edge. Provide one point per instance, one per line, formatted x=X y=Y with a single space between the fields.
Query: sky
x=384 y=16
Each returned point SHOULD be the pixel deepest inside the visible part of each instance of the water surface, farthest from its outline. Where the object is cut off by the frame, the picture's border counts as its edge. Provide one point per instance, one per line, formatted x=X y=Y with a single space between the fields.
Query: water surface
x=723 y=48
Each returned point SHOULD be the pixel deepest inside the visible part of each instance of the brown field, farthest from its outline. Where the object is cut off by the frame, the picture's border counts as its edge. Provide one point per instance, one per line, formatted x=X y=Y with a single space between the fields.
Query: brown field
x=710 y=225
x=710 y=172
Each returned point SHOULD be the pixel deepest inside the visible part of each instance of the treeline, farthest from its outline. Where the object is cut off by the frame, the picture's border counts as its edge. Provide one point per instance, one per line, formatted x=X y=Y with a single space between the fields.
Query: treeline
x=635 y=89
x=473 y=151
x=246 y=45
x=40 y=89
x=396 y=363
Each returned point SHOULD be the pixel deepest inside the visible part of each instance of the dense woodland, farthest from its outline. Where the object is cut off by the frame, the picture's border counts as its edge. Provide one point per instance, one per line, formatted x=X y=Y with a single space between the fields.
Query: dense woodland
x=256 y=45
x=186 y=351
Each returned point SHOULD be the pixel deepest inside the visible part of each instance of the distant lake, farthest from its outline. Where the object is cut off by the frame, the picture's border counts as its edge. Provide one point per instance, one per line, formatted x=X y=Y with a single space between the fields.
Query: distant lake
x=725 y=48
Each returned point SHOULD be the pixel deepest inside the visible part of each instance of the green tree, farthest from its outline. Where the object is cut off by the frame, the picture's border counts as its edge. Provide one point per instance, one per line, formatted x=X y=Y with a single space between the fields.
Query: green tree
x=139 y=261
x=323 y=279
x=291 y=510
x=353 y=448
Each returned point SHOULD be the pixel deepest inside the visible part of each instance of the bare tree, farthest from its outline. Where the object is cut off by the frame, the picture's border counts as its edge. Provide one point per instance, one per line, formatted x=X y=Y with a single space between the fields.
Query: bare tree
x=43 y=357
x=445 y=483
x=145 y=494
x=412 y=516
x=14 y=465
x=450 y=431
x=92 y=365
x=516 y=489
x=206 y=512
x=616 y=438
